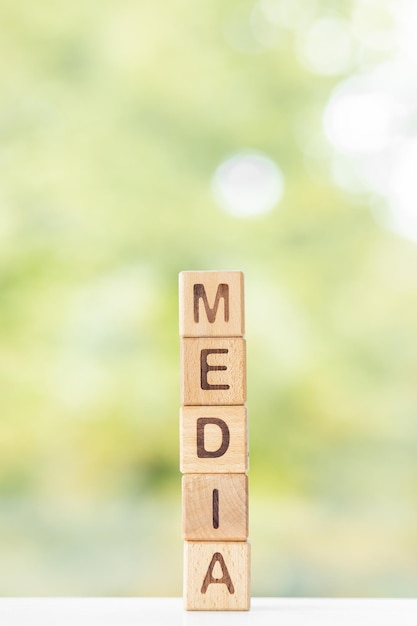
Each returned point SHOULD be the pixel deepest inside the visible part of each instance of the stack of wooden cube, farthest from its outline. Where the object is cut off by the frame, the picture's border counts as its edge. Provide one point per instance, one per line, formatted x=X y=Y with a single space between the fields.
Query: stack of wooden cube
x=214 y=441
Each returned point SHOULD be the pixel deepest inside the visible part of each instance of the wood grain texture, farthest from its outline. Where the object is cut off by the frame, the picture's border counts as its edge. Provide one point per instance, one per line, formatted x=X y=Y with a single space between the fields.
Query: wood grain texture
x=211 y=304
x=216 y=576
x=203 y=436
x=215 y=507
x=213 y=371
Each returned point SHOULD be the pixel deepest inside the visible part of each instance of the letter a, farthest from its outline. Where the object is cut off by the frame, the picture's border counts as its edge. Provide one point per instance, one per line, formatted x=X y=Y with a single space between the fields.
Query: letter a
x=225 y=579
x=200 y=292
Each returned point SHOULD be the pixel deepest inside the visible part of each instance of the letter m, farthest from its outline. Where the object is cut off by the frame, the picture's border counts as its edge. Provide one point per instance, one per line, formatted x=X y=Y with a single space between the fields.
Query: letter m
x=211 y=312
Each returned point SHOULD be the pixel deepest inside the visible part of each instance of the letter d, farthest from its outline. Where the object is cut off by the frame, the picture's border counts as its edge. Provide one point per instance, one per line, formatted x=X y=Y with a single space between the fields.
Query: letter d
x=202 y=452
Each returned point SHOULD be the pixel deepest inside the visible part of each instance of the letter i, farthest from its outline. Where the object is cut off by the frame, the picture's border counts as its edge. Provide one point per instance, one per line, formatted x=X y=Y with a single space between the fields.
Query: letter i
x=215 y=508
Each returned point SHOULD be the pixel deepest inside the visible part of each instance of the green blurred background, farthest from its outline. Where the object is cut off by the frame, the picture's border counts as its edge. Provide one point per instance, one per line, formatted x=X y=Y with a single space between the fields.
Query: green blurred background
x=142 y=138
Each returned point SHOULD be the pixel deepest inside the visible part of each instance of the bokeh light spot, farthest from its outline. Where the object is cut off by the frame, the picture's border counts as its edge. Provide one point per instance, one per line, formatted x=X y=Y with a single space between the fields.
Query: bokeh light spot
x=373 y=25
x=406 y=18
x=360 y=121
x=247 y=185
x=403 y=193
x=326 y=47
x=291 y=14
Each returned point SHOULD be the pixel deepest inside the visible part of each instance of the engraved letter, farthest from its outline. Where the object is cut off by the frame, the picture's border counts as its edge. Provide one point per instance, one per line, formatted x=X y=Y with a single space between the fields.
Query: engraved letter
x=215 y=508
x=200 y=292
x=202 y=453
x=205 y=368
x=225 y=579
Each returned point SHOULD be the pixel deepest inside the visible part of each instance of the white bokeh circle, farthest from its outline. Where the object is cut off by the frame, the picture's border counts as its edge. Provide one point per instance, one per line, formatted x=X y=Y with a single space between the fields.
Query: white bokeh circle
x=248 y=184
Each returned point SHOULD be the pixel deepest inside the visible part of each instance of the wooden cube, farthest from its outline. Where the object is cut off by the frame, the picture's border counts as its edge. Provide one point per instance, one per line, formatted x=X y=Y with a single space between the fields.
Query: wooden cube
x=211 y=304
x=216 y=576
x=213 y=371
x=215 y=507
x=213 y=439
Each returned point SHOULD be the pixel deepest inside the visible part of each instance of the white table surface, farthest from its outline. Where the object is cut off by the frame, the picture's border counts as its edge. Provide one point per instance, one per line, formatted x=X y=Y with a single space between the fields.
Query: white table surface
x=169 y=612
